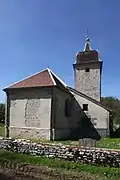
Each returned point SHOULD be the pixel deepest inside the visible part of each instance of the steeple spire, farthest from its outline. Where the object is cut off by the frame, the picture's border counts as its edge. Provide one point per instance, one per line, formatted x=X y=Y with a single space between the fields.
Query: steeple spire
x=87 y=33
x=87 y=45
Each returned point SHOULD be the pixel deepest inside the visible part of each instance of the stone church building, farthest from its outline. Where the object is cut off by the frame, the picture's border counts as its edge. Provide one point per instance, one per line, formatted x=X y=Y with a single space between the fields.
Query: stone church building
x=43 y=106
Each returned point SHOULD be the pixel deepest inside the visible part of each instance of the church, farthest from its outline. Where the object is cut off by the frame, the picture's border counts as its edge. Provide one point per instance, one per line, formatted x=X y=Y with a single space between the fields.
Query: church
x=43 y=106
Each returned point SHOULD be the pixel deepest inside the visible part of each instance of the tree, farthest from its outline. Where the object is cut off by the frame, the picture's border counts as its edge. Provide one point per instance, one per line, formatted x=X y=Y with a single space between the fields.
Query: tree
x=113 y=104
x=2 y=113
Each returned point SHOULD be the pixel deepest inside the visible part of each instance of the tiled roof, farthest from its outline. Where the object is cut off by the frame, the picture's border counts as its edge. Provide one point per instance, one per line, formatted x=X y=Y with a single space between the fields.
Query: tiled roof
x=47 y=78
x=44 y=78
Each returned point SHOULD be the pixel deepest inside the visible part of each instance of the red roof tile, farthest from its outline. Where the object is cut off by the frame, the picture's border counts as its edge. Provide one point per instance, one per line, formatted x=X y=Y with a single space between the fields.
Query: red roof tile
x=40 y=79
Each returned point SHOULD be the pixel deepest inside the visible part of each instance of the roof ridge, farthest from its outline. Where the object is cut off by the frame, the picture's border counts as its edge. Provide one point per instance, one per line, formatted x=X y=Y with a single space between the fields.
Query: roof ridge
x=26 y=78
x=29 y=81
x=63 y=83
x=49 y=71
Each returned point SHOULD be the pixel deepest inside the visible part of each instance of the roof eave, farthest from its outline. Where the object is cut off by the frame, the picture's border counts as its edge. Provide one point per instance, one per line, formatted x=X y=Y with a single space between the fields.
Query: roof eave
x=90 y=99
x=19 y=88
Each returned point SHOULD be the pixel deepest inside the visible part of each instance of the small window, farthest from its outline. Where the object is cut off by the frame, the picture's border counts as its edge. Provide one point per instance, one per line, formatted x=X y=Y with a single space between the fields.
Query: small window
x=87 y=70
x=85 y=107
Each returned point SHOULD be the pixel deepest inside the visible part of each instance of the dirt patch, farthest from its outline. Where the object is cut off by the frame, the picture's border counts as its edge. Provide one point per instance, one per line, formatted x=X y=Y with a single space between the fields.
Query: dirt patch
x=28 y=172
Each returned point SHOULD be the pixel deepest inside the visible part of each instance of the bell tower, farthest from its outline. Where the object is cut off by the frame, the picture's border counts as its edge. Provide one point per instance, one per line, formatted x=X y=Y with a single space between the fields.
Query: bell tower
x=87 y=70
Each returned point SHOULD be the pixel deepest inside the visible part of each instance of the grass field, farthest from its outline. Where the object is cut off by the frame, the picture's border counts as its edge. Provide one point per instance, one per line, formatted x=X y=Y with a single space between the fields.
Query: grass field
x=84 y=171
x=94 y=172
x=110 y=143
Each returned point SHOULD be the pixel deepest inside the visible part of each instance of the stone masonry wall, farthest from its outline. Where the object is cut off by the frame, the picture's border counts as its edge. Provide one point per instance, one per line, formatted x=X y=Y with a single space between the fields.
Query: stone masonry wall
x=91 y=156
x=30 y=133
x=98 y=115
x=88 y=83
x=30 y=113
x=61 y=123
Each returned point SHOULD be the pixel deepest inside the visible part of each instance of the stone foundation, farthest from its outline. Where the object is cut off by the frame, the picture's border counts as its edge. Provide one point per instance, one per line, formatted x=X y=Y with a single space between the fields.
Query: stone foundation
x=29 y=133
x=40 y=133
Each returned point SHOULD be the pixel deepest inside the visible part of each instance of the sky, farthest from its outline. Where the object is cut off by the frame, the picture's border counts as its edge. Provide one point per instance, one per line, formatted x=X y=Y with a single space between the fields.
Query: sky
x=36 y=34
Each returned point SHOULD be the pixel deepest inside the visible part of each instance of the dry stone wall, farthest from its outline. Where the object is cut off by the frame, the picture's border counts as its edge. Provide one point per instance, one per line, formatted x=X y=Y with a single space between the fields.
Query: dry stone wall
x=89 y=156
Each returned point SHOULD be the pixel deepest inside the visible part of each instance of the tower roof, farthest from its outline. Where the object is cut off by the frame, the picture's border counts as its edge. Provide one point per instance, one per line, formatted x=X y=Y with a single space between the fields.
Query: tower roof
x=88 y=54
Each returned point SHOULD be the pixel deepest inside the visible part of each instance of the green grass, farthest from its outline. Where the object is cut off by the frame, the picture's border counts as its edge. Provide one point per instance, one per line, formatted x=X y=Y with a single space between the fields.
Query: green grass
x=110 y=143
x=64 y=142
x=109 y=173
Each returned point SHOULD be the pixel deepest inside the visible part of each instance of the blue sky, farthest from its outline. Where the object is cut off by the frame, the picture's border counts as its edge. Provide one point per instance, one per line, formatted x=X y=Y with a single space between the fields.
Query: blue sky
x=35 y=34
